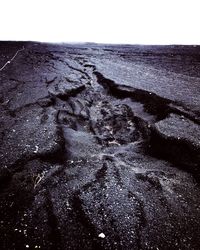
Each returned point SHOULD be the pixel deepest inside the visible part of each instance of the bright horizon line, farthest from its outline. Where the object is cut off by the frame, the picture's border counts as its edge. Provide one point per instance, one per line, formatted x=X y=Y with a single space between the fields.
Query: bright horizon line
x=101 y=43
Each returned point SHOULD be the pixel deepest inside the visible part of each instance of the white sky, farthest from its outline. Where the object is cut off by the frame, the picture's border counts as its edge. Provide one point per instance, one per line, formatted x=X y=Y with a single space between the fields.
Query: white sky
x=104 y=21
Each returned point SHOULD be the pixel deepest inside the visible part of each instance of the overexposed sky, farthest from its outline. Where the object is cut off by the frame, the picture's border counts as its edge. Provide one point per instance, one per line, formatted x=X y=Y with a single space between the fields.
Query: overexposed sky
x=104 y=21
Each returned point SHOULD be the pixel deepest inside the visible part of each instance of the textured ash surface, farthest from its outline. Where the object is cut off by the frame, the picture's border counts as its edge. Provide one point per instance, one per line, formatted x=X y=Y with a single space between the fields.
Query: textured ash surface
x=100 y=147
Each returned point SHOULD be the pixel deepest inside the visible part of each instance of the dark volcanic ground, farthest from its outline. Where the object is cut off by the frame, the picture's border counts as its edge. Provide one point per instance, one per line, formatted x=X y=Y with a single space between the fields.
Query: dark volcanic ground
x=100 y=147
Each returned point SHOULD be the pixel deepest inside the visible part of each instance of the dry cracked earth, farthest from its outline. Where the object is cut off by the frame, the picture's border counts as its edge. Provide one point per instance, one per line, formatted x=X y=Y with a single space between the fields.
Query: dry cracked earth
x=100 y=147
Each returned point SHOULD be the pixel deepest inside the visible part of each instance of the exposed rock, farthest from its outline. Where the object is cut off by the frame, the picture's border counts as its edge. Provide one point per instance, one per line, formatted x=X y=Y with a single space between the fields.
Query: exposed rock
x=177 y=139
x=180 y=128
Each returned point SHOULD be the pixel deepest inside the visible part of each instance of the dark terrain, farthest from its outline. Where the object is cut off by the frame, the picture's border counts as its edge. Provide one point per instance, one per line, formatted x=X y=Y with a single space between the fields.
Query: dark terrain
x=100 y=147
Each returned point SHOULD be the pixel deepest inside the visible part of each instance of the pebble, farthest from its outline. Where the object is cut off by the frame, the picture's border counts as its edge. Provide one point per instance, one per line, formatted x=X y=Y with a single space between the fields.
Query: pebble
x=101 y=235
x=36 y=149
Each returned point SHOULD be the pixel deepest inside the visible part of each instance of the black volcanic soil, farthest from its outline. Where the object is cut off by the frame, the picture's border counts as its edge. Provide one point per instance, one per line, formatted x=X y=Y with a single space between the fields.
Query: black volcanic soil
x=100 y=147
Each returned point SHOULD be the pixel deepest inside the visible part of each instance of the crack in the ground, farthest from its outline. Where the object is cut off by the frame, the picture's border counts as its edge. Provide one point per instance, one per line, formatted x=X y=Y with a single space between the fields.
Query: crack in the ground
x=91 y=183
